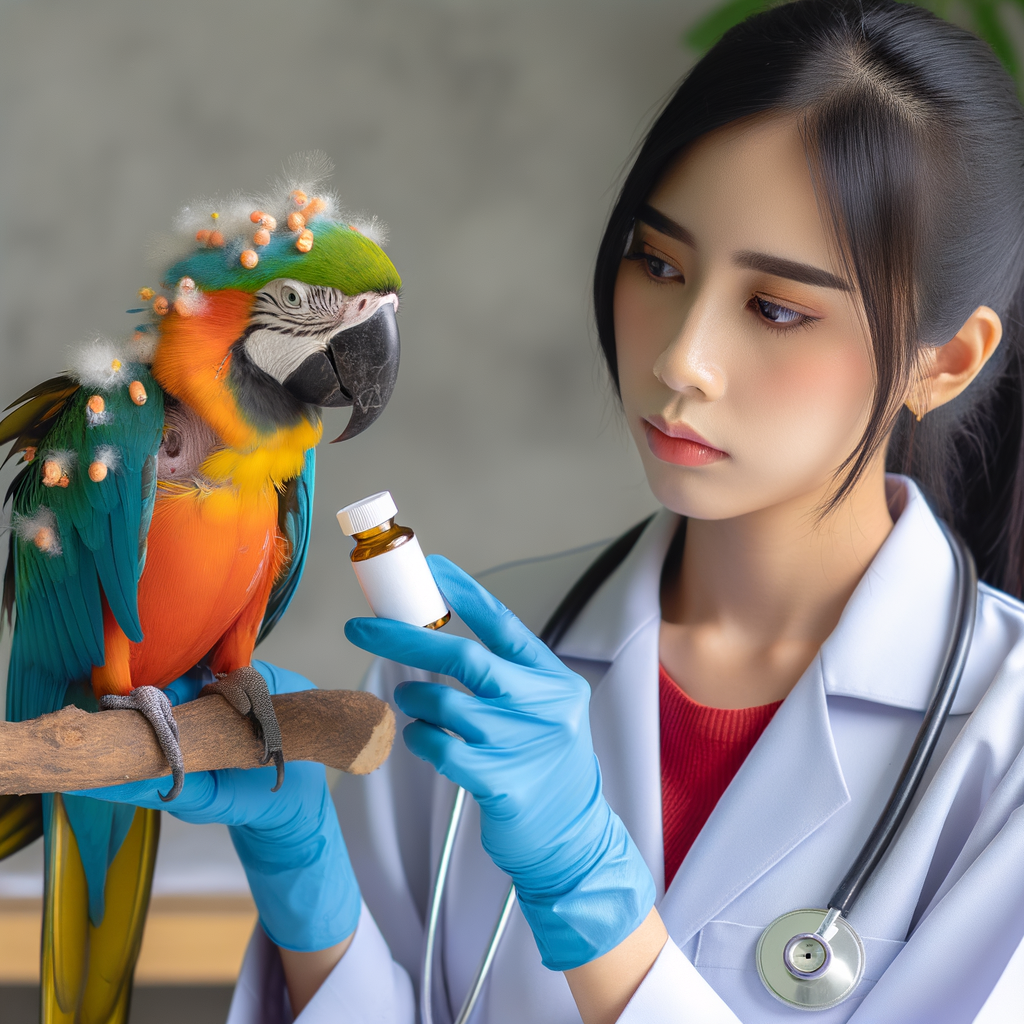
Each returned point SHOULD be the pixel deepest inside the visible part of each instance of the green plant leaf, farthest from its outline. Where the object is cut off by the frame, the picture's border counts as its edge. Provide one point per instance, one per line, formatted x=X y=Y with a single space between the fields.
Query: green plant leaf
x=713 y=26
x=991 y=29
x=983 y=14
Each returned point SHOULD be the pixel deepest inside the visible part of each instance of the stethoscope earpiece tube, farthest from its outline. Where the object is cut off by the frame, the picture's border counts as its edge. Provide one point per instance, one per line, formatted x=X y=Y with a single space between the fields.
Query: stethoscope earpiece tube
x=814 y=966
x=957 y=648
x=811 y=959
x=554 y=629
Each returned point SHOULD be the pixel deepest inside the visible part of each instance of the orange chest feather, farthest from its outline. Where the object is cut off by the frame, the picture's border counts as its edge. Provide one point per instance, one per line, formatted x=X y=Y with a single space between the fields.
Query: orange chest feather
x=193 y=359
x=211 y=558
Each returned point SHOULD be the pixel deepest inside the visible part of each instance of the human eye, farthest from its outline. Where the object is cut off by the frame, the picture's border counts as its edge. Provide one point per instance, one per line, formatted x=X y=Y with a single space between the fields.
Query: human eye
x=779 y=317
x=657 y=267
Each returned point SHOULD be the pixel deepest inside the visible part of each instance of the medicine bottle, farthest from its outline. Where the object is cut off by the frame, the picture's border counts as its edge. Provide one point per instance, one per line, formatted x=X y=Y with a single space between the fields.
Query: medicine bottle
x=389 y=564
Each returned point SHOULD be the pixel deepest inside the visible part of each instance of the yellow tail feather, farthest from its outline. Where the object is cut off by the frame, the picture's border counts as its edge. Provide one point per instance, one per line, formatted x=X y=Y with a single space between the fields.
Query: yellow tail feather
x=87 y=971
x=21 y=822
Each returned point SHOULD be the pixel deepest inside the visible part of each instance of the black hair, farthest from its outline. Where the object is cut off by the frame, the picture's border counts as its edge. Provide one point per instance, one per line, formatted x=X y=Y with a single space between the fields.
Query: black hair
x=915 y=139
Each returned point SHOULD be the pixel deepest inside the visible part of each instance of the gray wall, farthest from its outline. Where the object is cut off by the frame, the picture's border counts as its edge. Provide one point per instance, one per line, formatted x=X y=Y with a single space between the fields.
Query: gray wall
x=488 y=135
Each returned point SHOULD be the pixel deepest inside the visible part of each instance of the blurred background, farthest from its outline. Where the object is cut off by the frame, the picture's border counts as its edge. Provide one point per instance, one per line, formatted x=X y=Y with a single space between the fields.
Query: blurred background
x=489 y=136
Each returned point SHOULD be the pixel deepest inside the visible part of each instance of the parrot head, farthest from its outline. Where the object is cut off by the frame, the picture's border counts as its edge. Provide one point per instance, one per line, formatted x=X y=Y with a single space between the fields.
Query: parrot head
x=276 y=309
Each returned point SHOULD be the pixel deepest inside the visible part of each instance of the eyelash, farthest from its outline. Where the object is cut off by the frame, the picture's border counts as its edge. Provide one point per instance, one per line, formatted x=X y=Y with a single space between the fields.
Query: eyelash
x=649 y=260
x=758 y=304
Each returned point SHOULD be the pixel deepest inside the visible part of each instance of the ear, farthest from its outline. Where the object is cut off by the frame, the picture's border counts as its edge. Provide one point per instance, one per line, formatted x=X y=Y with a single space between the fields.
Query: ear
x=945 y=371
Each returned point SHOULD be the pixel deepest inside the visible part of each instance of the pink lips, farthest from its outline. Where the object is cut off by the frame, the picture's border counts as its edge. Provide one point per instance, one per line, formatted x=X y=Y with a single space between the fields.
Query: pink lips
x=679 y=444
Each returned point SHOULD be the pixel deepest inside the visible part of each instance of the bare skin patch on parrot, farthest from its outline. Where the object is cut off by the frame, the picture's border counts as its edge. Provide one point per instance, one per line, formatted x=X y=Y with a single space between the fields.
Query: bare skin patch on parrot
x=188 y=441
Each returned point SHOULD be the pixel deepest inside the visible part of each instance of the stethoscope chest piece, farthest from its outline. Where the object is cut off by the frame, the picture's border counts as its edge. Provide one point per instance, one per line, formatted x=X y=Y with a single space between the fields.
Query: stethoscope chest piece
x=806 y=966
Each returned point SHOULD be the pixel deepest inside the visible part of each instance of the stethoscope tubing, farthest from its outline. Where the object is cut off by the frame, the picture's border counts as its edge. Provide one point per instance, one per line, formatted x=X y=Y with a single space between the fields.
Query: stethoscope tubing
x=554 y=629
x=433 y=918
x=881 y=835
x=939 y=707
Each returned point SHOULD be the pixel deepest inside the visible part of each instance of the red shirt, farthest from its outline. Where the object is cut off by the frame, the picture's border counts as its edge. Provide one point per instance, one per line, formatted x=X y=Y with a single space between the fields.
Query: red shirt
x=702 y=748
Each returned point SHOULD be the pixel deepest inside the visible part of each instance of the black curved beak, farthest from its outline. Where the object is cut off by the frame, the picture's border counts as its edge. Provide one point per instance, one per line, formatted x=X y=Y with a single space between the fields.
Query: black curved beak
x=359 y=369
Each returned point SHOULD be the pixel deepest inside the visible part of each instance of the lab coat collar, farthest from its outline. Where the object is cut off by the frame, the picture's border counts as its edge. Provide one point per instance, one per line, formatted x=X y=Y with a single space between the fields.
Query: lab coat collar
x=888 y=644
x=890 y=640
x=627 y=601
x=885 y=648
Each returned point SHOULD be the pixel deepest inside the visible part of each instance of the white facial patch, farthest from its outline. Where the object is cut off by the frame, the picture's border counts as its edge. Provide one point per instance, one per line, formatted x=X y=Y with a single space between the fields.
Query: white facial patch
x=292 y=321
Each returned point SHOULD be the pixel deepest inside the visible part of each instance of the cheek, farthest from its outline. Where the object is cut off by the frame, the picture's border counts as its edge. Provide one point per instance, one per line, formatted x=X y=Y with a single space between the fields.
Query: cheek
x=810 y=406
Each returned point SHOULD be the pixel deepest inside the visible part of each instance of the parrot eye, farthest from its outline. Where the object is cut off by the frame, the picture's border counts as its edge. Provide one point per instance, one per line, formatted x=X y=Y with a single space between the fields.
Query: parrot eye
x=291 y=298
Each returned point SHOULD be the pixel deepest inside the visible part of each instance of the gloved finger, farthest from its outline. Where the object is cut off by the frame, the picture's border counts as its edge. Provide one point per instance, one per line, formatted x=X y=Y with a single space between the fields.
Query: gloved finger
x=455 y=760
x=146 y=793
x=282 y=680
x=498 y=628
x=184 y=689
x=440 y=705
x=476 y=668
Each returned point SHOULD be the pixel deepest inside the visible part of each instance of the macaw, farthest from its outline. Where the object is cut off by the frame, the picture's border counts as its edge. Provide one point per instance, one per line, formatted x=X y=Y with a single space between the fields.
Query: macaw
x=160 y=526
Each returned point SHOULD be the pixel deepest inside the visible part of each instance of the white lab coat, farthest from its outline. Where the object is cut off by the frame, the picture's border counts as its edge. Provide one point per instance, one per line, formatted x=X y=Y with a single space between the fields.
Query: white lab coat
x=939 y=919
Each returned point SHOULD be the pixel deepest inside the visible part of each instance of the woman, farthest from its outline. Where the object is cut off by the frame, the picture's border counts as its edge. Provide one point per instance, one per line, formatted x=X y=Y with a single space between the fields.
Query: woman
x=814 y=270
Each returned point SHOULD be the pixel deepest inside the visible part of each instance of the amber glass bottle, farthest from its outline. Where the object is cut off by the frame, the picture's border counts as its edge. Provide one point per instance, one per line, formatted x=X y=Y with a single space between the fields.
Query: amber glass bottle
x=389 y=564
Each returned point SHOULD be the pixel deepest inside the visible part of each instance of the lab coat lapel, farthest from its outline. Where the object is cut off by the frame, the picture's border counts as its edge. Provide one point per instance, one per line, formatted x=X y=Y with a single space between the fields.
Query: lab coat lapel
x=762 y=815
x=624 y=721
x=788 y=787
x=620 y=626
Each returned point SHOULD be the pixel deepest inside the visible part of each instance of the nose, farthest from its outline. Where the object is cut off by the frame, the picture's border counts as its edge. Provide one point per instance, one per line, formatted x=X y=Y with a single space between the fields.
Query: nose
x=691 y=362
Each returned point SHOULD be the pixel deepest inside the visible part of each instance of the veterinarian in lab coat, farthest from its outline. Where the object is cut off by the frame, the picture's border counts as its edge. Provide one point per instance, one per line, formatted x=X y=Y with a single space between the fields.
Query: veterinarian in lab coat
x=780 y=838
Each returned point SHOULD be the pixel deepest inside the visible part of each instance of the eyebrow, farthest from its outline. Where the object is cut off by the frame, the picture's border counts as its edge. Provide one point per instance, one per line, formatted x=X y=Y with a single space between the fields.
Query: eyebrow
x=764 y=262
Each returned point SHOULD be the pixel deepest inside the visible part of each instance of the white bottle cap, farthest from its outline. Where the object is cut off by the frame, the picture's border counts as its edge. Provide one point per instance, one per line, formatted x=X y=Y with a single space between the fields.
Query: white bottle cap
x=368 y=513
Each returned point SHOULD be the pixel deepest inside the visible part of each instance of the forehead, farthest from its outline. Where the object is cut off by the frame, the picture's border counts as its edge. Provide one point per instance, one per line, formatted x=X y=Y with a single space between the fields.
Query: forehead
x=748 y=186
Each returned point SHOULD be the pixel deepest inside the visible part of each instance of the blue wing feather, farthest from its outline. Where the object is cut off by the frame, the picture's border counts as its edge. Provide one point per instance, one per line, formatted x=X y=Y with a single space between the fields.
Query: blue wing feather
x=102 y=528
x=58 y=633
x=296 y=519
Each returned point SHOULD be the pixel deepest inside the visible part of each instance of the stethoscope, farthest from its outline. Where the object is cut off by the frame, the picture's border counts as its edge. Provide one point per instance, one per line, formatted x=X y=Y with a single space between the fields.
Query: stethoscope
x=811 y=959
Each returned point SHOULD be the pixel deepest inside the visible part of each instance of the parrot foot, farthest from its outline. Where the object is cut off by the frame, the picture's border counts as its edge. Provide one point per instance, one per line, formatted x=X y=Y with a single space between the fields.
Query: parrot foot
x=246 y=691
x=154 y=705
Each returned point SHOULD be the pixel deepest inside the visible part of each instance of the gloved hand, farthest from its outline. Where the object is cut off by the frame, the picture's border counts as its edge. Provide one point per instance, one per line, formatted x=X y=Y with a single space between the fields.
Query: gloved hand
x=528 y=760
x=289 y=842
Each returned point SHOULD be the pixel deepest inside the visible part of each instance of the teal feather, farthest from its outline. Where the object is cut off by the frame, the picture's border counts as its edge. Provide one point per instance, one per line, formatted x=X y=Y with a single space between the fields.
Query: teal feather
x=58 y=633
x=295 y=518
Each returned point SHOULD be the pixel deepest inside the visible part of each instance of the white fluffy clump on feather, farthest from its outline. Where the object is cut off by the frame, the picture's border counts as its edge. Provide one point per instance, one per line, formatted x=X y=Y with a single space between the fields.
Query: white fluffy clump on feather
x=63 y=458
x=101 y=363
x=374 y=229
x=108 y=455
x=305 y=173
x=232 y=216
x=40 y=529
x=144 y=347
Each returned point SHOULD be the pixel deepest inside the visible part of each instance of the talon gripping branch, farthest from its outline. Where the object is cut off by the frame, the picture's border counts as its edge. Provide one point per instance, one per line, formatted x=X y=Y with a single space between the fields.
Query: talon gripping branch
x=161 y=522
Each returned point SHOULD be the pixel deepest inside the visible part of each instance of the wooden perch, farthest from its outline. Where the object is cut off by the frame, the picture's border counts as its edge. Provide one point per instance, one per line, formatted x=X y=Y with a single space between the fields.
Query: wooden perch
x=73 y=749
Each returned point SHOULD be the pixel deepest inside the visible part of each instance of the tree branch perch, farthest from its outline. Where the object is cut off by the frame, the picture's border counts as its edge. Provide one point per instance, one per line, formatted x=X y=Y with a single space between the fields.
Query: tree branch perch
x=73 y=749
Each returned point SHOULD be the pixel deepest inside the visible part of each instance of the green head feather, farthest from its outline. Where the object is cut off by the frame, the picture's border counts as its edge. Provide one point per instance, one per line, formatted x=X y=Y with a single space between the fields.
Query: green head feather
x=341 y=258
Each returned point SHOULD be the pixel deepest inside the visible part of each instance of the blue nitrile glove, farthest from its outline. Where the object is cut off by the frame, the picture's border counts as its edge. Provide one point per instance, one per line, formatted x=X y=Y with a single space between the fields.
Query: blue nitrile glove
x=529 y=761
x=289 y=842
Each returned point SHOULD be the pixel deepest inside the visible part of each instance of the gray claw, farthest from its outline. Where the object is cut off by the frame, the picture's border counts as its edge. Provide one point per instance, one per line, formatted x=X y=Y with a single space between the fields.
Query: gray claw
x=154 y=705
x=246 y=691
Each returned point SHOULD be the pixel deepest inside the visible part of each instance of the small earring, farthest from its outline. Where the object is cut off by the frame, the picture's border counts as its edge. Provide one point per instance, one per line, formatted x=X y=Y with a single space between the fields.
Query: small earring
x=917 y=415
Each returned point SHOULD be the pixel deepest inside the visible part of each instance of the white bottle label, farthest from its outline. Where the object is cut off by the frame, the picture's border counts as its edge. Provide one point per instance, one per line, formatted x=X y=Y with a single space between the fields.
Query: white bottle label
x=397 y=585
